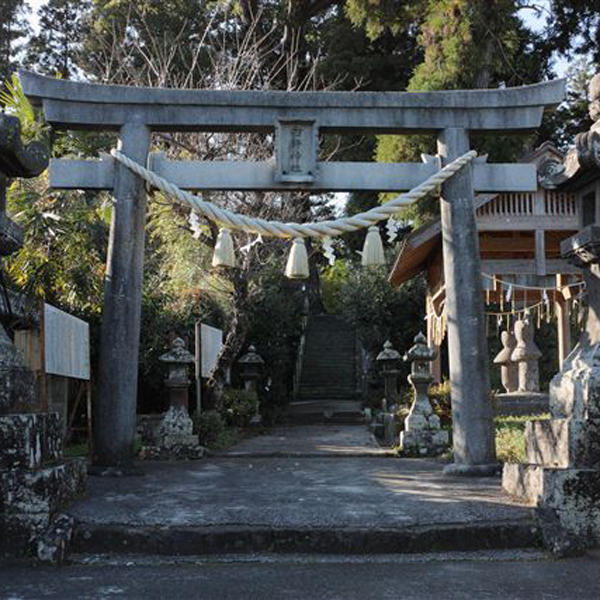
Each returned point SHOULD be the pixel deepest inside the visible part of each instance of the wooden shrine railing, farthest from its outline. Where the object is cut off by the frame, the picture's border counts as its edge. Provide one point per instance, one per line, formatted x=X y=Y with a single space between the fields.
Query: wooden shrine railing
x=530 y=210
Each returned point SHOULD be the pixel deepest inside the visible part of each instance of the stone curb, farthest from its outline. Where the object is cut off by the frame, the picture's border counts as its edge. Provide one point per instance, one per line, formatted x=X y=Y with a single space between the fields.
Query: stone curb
x=121 y=539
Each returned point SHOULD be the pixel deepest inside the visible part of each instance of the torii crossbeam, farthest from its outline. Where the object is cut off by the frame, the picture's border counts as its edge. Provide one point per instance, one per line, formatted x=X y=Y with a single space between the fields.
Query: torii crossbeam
x=297 y=118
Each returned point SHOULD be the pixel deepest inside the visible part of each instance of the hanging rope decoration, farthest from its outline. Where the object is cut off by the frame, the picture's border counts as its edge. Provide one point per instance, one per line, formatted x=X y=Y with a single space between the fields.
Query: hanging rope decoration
x=297 y=265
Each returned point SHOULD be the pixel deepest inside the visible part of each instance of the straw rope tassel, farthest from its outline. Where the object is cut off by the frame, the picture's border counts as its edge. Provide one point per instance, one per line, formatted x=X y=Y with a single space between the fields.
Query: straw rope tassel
x=372 y=253
x=297 y=264
x=224 y=254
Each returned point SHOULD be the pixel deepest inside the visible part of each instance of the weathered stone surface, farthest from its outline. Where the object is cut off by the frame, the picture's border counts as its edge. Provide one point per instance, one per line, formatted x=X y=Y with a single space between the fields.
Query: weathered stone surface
x=564 y=453
x=509 y=372
x=562 y=443
x=30 y=499
x=525 y=482
x=33 y=496
x=17 y=391
x=526 y=355
x=173 y=438
x=422 y=435
x=54 y=544
x=30 y=440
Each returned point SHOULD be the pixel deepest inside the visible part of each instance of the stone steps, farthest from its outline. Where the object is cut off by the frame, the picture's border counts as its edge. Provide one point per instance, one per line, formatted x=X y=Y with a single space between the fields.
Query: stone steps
x=189 y=541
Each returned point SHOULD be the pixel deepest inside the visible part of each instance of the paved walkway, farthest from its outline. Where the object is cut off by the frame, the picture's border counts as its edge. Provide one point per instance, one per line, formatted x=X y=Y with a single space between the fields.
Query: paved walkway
x=336 y=477
x=311 y=441
x=311 y=578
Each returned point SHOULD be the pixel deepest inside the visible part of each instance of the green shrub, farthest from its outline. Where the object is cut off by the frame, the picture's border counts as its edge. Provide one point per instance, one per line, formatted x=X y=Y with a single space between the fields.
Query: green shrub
x=239 y=406
x=510 y=437
x=440 y=396
x=210 y=426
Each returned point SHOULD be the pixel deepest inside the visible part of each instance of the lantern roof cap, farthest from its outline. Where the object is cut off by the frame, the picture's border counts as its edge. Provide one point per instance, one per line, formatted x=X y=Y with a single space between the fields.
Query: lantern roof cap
x=178 y=354
x=251 y=357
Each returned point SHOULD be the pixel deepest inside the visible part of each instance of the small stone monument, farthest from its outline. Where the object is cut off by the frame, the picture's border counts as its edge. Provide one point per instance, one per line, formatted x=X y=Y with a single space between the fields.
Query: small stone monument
x=173 y=438
x=526 y=354
x=509 y=371
x=562 y=473
x=385 y=427
x=251 y=367
x=388 y=359
x=422 y=435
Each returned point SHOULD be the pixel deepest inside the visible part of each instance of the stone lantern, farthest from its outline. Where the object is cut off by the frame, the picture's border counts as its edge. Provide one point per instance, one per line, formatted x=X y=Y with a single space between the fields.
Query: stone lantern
x=251 y=368
x=388 y=360
x=509 y=372
x=422 y=434
x=178 y=360
x=173 y=438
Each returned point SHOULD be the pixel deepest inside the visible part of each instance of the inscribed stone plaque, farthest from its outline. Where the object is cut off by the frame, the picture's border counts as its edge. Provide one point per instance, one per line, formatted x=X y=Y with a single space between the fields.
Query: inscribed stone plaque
x=211 y=341
x=296 y=150
x=66 y=344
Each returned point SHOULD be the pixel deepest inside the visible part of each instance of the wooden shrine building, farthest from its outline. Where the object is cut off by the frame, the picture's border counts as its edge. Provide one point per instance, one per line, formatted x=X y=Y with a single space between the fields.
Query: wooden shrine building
x=519 y=243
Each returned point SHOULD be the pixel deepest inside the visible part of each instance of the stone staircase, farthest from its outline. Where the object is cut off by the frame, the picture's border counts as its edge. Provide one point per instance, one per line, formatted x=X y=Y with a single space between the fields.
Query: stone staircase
x=327 y=386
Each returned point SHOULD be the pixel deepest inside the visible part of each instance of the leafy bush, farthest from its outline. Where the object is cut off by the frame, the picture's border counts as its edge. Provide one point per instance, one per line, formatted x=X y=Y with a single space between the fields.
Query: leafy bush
x=510 y=437
x=239 y=406
x=440 y=396
x=210 y=426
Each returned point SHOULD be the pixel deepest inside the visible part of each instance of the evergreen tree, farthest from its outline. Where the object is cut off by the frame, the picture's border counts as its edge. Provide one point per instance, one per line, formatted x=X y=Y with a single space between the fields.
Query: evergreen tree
x=574 y=27
x=13 y=29
x=465 y=44
x=55 y=48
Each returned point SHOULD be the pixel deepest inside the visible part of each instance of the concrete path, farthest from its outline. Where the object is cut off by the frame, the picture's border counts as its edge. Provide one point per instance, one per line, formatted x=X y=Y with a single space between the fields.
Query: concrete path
x=493 y=577
x=342 y=488
x=311 y=441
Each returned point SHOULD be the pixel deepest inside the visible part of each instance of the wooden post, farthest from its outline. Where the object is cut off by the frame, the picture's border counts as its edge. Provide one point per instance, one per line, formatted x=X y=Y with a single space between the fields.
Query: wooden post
x=198 y=366
x=436 y=363
x=115 y=407
x=563 y=321
x=472 y=423
x=42 y=350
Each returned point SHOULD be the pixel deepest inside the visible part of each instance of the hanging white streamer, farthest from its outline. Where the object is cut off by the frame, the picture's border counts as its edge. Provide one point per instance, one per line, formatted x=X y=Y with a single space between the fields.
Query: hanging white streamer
x=195 y=226
x=509 y=293
x=328 y=249
x=392 y=226
x=545 y=298
x=257 y=240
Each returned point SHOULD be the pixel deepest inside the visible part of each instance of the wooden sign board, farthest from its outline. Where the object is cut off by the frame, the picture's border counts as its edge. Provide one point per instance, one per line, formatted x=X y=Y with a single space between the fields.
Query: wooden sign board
x=211 y=342
x=66 y=344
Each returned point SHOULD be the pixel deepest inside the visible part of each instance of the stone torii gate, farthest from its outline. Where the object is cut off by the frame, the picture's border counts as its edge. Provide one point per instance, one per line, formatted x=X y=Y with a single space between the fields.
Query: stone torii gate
x=297 y=119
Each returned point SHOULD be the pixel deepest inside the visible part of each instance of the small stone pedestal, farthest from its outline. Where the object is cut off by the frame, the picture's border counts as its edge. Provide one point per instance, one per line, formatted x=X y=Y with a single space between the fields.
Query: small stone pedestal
x=422 y=435
x=173 y=437
x=562 y=473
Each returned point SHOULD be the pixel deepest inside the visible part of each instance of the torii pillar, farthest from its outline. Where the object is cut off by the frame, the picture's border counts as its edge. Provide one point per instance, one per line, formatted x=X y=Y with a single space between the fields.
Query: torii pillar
x=114 y=419
x=472 y=416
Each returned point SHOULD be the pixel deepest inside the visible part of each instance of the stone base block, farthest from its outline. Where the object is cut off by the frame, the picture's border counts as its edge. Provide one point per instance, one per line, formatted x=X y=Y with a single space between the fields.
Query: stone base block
x=17 y=386
x=30 y=440
x=521 y=403
x=29 y=499
x=174 y=452
x=525 y=482
x=33 y=496
x=426 y=442
x=575 y=496
x=562 y=443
